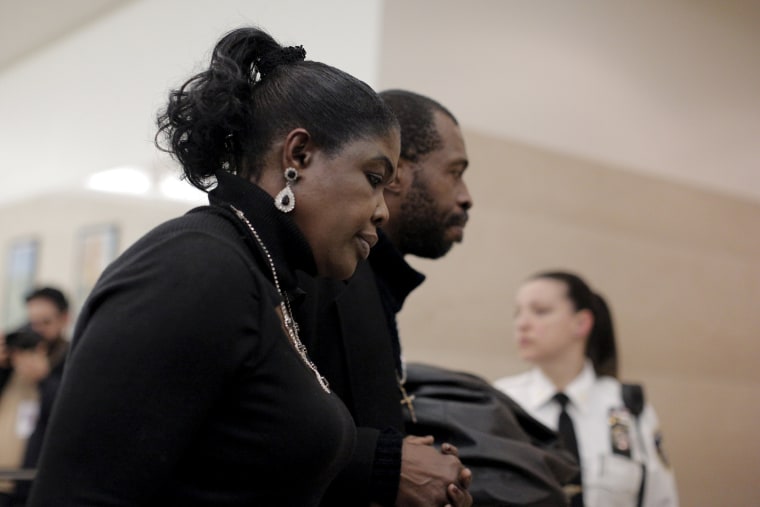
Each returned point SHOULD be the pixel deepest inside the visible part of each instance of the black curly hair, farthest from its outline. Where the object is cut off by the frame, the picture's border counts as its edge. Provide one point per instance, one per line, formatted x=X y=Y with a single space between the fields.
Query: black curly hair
x=226 y=117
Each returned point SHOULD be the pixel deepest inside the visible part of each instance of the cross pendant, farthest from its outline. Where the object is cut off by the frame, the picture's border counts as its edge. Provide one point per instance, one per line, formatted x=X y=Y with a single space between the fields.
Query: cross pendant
x=407 y=400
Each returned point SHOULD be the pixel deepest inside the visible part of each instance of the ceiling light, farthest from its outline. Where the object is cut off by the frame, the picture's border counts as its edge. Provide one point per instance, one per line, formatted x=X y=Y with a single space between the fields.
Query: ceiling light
x=120 y=180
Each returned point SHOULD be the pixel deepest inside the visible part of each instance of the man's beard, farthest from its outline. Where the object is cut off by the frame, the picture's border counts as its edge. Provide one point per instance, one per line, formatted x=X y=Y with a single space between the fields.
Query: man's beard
x=422 y=231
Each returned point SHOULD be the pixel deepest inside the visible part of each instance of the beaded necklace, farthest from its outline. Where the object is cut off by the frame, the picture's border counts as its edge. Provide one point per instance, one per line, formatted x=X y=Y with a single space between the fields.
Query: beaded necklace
x=287 y=315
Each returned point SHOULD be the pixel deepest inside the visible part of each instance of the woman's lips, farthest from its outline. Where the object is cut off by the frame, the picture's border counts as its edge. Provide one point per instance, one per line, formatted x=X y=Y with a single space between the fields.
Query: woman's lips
x=366 y=242
x=364 y=247
x=523 y=341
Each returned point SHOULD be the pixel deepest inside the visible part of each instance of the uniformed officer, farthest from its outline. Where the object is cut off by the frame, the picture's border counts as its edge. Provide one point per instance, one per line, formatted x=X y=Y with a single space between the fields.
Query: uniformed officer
x=566 y=331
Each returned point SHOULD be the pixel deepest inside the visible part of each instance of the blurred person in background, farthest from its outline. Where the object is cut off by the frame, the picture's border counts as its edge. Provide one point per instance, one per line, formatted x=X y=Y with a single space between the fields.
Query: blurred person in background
x=31 y=367
x=47 y=312
x=566 y=331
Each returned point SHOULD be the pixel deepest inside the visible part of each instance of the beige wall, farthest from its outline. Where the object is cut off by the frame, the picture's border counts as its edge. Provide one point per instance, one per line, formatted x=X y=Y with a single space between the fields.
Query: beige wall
x=678 y=265
x=57 y=220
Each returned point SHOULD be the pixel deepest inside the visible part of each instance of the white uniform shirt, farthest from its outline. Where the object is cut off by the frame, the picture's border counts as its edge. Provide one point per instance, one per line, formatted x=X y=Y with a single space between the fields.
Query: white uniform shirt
x=596 y=406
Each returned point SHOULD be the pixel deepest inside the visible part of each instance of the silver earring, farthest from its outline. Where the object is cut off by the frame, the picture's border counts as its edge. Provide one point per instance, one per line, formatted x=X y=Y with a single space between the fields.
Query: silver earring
x=286 y=200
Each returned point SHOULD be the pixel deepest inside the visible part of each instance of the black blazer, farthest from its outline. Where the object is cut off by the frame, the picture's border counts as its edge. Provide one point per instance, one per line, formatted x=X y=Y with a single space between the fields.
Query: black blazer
x=360 y=368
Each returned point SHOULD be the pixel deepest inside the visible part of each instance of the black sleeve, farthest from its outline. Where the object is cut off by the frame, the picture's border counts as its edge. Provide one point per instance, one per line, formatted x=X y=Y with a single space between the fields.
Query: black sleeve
x=373 y=472
x=157 y=341
x=332 y=315
x=386 y=469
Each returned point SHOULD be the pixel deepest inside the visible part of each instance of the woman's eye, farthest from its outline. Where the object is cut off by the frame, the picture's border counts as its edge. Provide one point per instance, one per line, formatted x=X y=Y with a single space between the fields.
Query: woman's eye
x=374 y=179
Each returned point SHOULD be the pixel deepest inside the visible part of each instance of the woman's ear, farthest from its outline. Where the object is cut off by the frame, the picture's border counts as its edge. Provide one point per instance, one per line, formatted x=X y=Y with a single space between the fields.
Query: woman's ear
x=298 y=149
x=584 y=322
x=402 y=178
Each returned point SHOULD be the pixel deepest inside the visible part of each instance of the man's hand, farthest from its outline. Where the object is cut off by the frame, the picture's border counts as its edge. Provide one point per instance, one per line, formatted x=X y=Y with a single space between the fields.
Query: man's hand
x=31 y=365
x=432 y=478
x=458 y=494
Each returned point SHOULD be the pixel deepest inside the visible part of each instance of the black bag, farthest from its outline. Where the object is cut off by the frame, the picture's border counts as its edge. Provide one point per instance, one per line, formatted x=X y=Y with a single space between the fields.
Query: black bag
x=515 y=460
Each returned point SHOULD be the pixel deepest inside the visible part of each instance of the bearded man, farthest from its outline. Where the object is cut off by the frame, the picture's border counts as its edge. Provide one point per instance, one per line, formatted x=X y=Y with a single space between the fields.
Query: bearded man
x=350 y=328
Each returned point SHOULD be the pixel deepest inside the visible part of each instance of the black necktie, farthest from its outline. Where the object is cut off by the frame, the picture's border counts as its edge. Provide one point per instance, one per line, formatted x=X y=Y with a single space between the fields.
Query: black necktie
x=567 y=434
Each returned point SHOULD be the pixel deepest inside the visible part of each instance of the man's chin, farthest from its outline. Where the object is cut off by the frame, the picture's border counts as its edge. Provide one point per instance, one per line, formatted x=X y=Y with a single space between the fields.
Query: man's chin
x=454 y=234
x=443 y=249
x=434 y=252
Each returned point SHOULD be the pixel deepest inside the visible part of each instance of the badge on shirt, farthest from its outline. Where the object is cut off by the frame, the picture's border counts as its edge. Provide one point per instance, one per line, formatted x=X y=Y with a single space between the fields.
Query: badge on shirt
x=26 y=418
x=620 y=431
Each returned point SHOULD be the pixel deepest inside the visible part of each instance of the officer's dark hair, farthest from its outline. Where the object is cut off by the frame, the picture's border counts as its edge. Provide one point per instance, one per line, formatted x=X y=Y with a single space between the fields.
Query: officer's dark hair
x=255 y=90
x=600 y=346
x=415 y=113
x=53 y=295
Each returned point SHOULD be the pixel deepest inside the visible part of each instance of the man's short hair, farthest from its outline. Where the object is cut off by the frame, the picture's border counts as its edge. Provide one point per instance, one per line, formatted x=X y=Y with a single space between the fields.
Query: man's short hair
x=53 y=295
x=415 y=113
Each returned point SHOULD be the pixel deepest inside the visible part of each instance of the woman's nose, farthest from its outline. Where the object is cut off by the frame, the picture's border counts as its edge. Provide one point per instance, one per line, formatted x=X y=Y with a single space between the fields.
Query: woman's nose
x=381 y=214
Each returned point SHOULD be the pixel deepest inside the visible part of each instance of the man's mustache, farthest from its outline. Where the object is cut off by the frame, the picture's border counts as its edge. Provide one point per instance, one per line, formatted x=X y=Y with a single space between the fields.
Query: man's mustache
x=458 y=219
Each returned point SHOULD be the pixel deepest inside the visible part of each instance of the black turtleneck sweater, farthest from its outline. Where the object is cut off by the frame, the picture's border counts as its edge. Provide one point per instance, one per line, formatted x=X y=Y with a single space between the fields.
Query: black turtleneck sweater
x=395 y=279
x=351 y=330
x=181 y=387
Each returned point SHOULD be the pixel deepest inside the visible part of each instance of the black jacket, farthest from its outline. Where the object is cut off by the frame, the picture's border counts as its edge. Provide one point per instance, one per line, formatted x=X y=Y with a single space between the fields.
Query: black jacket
x=359 y=362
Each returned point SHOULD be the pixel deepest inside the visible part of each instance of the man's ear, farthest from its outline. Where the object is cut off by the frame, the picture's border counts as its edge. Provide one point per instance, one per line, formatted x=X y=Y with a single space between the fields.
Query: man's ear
x=402 y=179
x=298 y=149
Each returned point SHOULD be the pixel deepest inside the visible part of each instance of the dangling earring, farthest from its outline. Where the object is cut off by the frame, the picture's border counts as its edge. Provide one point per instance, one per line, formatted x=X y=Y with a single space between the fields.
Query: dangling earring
x=286 y=200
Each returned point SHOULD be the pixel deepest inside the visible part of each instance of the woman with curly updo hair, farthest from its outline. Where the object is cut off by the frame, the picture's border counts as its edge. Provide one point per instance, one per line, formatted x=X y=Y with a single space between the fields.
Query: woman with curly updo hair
x=187 y=383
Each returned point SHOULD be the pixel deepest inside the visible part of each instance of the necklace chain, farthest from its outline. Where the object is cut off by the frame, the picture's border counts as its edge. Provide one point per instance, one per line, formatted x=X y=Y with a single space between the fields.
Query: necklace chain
x=406 y=398
x=287 y=314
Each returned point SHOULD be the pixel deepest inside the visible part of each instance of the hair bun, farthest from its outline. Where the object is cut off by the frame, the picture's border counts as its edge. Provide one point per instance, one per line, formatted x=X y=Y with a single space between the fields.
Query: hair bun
x=270 y=61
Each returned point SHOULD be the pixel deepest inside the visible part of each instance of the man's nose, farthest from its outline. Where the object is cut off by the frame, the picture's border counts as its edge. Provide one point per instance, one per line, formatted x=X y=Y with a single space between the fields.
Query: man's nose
x=464 y=199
